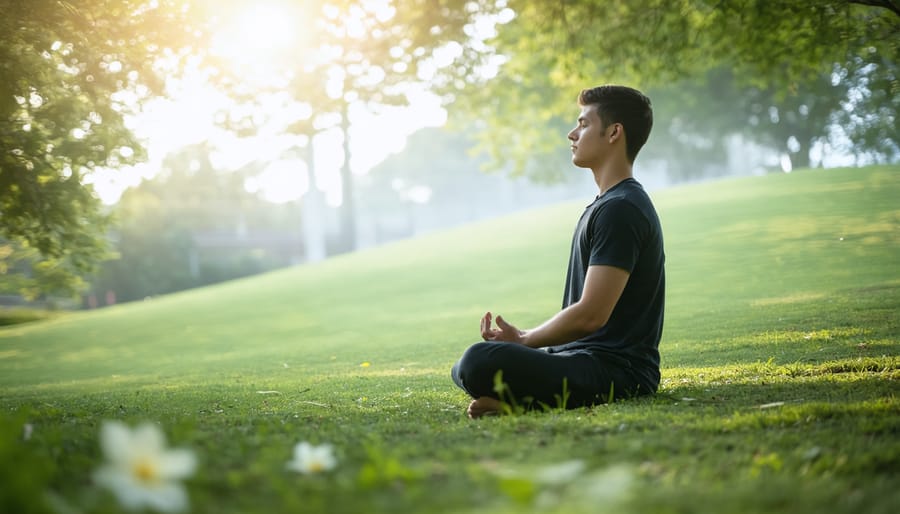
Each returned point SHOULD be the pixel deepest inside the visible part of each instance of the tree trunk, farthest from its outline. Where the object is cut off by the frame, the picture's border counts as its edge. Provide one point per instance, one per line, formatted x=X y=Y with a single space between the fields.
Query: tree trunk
x=800 y=159
x=312 y=208
x=347 y=237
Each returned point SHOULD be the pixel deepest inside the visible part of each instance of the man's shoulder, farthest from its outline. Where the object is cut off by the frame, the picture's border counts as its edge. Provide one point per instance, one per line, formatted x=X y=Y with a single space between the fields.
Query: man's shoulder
x=630 y=196
x=626 y=202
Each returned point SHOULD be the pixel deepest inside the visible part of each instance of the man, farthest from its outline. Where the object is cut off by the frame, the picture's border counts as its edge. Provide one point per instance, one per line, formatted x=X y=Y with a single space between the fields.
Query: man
x=603 y=344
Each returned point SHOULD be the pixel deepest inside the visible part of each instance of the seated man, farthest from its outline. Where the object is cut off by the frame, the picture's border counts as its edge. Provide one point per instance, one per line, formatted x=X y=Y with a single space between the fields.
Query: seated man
x=603 y=344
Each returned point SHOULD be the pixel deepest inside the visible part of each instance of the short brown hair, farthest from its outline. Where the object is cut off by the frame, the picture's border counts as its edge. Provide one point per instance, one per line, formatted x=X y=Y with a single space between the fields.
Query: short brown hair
x=621 y=104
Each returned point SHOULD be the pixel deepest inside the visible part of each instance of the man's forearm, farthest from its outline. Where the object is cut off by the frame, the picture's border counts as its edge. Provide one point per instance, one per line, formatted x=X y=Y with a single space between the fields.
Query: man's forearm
x=569 y=324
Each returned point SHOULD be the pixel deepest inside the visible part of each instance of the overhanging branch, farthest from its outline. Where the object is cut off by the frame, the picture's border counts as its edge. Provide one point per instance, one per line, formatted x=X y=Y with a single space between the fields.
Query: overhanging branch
x=887 y=4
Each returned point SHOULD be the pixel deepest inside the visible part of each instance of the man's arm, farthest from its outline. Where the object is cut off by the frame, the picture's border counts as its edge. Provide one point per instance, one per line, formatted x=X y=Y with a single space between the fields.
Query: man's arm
x=603 y=285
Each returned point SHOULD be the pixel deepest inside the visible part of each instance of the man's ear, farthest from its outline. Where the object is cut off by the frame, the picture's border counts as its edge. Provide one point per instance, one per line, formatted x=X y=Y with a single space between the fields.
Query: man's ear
x=616 y=132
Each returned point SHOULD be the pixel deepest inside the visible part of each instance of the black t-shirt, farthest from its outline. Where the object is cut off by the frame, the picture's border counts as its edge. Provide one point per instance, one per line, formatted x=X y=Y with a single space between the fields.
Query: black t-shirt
x=620 y=228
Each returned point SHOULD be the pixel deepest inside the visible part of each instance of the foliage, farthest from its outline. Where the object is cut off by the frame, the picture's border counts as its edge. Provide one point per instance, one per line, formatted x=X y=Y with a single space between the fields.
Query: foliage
x=21 y=491
x=872 y=112
x=804 y=61
x=16 y=315
x=780 y=365
x=71 y=71
x=162 y=225
x=696 y=114
x=24 y=272
x=437 y=164
x=356 y=54
x=437 y=181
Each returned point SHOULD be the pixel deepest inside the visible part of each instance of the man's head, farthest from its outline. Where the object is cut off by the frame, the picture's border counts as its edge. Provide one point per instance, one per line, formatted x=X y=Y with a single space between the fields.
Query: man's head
x=619 y=106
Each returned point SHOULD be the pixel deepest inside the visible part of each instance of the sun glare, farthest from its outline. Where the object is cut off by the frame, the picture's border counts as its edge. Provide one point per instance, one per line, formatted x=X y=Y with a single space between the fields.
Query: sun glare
x=282 y=181
x=260 y=41
x=259 y=36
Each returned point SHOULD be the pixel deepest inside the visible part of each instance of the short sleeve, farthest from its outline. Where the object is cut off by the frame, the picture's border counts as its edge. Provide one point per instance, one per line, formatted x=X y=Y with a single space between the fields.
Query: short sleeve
x=617 y=232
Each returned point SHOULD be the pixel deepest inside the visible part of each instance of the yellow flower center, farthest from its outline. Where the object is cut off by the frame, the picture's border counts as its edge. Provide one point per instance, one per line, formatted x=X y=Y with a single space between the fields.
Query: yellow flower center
x=145 y=471
x=316 y=466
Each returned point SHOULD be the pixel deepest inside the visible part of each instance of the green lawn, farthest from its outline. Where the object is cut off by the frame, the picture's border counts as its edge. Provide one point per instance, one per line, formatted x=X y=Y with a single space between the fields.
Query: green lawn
x=781 y=371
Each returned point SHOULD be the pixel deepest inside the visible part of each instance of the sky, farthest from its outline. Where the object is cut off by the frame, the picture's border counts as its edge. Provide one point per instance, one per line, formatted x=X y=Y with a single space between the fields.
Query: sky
x=256 y=38
x=189 y=117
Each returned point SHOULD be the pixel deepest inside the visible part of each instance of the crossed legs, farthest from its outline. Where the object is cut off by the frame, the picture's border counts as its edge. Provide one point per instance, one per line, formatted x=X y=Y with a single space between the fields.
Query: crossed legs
x=531 y=376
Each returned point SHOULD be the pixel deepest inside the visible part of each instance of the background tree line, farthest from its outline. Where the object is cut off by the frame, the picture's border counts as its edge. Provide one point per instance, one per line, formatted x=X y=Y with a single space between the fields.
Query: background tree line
x=787 y=76
x=193 y=225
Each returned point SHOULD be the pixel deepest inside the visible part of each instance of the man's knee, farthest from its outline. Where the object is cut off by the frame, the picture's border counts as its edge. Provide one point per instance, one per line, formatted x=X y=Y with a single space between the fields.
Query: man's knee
x=476 y=360
x=476 y=369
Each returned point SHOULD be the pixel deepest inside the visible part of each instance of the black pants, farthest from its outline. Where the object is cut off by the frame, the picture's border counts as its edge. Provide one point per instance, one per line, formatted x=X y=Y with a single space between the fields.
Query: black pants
x=534 y=376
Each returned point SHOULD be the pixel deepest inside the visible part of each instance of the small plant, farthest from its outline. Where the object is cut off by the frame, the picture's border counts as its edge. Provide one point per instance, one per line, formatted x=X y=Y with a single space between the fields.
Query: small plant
x=508 y=403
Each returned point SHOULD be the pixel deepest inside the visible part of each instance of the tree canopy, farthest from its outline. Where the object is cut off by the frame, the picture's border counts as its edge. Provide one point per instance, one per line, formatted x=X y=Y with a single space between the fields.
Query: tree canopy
x=811 y=64
x=194 y=225
x=71 y=71
x=358 y=53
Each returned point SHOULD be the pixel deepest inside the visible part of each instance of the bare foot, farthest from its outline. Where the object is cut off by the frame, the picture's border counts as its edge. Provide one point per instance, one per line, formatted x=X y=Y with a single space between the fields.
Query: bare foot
x=484 y=406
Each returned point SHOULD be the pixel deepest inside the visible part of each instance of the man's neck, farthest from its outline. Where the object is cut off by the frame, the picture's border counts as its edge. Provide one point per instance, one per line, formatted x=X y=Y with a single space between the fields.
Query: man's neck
x=610 y=174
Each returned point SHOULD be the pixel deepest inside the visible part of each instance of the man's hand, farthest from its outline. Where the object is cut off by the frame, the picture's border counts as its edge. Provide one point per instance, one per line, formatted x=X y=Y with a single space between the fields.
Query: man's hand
x=504 y=331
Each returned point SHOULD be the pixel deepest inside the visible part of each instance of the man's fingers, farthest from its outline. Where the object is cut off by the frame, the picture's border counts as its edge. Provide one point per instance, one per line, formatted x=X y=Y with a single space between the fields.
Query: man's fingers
x=508 y=332
x=486 y=331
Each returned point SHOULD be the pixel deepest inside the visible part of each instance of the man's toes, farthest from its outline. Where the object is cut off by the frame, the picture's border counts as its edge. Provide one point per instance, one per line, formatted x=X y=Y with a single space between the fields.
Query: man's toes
x=483 y=407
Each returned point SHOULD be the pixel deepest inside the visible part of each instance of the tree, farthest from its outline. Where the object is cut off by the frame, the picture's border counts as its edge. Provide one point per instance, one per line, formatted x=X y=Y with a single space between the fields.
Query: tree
x=361 y=54
x=779 y=56
x=871 y=110
x=71 y=71
x=193 y=225
x=696 y=114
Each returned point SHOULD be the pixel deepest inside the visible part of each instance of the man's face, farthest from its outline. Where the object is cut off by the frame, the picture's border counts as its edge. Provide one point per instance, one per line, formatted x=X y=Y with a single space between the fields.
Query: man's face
x=590 y=144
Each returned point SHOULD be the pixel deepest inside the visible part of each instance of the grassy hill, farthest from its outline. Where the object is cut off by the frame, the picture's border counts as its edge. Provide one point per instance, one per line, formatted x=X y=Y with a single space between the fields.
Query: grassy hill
x=780 y=370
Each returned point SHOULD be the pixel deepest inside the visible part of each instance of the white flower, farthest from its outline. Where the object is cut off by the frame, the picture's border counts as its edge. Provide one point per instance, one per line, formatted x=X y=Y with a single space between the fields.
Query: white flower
x=140 y=471
x=309 y=459
x=561 y=473
x=610 y=485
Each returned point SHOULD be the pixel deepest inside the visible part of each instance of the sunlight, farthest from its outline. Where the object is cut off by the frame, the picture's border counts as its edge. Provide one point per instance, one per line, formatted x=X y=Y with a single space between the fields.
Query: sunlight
x=259 y=36
x=282 y=181
x=261 y=43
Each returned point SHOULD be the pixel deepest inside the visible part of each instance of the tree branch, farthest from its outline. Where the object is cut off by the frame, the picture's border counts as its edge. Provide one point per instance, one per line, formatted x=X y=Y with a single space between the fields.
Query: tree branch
x=887 y=4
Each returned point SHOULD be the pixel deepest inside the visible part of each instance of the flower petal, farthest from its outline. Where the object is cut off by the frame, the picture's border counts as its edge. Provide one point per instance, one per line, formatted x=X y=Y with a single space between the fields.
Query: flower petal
x=323 y=450
x=610 y=485
x=130 y=494
x=147 y=438
x=176 y=464
x=324 y=455
x=115 y=441
x=312 y=459
x=560 y=473
x=302 y=451
x=168 y=497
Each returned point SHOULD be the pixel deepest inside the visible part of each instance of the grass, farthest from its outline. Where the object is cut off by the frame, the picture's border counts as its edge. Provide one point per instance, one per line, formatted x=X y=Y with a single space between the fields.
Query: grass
x=780 y=371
